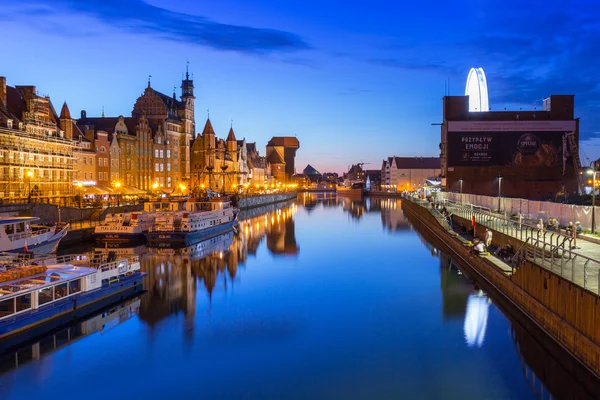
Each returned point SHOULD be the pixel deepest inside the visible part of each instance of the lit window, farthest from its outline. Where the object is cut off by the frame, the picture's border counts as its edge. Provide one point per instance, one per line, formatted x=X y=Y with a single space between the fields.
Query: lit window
x=168 y=153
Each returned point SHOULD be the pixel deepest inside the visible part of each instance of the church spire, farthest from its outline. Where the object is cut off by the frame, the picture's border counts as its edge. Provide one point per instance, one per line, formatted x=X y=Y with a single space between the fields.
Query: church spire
x=64 y=112
x=187 y=85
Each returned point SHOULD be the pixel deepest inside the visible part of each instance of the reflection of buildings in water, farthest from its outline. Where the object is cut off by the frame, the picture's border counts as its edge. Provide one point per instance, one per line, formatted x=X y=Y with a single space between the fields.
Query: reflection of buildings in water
x=392 y=217
x=279 y=229
x=102 y=322
x=355 y=208
x=455 y=289
x=476 y=317
x=174 y=274
x=310 y=200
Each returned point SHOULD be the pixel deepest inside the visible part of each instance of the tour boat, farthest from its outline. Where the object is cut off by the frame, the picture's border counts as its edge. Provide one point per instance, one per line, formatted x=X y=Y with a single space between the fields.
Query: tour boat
x=38 y=298
x=199 y=221
x=129 y=229
x=19 y=234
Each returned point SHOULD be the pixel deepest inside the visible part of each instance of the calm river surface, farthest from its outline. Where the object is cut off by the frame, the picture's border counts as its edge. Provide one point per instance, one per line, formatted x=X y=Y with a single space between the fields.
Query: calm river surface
x=322 y=299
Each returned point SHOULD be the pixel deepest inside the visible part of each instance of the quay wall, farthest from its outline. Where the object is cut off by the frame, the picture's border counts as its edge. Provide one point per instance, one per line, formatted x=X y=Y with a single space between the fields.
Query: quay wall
x=246 y=202
x=395 y=195
x=567 y=313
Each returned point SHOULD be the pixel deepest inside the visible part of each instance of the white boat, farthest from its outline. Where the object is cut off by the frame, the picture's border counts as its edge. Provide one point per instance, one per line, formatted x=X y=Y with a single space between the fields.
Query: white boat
x=36 y=298
x=128 y=229
x=20 y=234
x=199 y=221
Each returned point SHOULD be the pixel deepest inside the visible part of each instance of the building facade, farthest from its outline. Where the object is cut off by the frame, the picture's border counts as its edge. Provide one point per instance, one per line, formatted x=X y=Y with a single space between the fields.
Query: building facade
x=408 y=173
x=36 y=148
x=527 y=154
x=281 y=155
x=215 y=162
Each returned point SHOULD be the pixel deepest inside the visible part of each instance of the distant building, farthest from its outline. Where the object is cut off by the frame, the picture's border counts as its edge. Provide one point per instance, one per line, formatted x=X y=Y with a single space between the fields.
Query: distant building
x=534 y=152
x=331 y=177
x=312 y=174
x=258 y=168
x=408 y=173
x=355 y=173
x=281 y=154
x=373 y=176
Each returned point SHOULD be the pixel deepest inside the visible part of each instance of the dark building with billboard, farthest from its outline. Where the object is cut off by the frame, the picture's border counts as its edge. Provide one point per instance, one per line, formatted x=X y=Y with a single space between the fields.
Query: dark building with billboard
x=531 y=151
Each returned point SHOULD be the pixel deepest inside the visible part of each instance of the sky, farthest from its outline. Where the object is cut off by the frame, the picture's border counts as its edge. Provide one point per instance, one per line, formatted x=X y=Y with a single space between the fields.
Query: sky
x=354 y=81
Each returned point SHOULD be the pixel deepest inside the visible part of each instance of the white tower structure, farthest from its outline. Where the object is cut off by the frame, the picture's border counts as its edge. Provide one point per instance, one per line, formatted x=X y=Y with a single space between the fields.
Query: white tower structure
x=477 y=90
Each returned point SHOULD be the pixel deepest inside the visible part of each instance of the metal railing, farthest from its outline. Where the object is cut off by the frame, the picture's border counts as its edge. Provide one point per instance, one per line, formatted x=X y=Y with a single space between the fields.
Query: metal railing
x=518 y=228
x=577 y=268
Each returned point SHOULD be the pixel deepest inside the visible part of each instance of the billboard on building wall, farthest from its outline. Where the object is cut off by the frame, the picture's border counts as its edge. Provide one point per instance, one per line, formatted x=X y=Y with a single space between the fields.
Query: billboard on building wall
x=512 y=143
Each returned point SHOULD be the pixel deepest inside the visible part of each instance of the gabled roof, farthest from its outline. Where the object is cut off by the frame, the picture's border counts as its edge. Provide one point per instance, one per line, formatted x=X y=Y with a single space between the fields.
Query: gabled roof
x=286 y=141
x=231 y=136
x=251 y=147
x=417 y=162
x=64 y=112
x=275 y=158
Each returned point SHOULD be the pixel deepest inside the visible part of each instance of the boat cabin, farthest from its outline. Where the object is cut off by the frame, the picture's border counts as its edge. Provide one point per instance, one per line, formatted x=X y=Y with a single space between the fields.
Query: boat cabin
x=31 y=292
x=15 y=228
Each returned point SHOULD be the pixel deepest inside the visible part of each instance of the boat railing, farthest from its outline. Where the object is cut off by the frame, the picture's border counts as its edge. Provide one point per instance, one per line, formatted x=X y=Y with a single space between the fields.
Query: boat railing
x=118 y=264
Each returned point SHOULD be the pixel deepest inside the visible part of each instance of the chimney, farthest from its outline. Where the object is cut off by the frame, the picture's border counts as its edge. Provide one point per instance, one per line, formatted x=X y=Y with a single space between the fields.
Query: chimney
x=3 y=90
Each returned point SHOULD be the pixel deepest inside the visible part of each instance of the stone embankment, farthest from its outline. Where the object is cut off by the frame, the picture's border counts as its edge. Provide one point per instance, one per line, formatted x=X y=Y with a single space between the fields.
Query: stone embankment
x=247 y=202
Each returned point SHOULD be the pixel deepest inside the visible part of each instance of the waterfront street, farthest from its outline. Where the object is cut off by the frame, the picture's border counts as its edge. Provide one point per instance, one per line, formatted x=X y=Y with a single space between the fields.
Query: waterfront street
x=325 y=298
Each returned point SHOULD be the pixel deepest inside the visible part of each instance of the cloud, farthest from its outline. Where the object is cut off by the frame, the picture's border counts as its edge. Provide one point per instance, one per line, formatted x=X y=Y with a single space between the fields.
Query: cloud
x=139 y=17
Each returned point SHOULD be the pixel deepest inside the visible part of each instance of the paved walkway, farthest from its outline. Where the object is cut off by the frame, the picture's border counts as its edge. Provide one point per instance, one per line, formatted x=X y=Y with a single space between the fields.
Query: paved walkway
x=552 y=250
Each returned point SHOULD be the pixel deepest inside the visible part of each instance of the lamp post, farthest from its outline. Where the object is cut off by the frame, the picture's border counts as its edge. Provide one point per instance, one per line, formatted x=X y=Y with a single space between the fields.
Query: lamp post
x=79 y=187
x=182 y=188
x=118 y=185
x=460 y=181
x=155 y=188
x=499 y=191
x=29 y=177
x=593 y=173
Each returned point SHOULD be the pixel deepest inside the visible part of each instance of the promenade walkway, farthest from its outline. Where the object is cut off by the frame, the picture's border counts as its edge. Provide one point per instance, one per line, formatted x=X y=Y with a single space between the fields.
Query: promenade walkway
x=554 y=250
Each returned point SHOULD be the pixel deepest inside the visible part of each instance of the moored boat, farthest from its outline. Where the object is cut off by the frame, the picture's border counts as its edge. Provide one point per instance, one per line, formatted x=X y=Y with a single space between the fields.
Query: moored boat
x=129 y=229
x=37 y=298
x=21 y=234
x=201 y=220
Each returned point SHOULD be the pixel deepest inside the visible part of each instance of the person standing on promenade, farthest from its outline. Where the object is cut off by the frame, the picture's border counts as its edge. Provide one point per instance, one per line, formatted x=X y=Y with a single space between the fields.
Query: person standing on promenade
x=488 y=238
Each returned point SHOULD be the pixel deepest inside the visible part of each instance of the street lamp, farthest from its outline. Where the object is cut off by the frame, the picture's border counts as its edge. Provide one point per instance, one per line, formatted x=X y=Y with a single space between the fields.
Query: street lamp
x=79 y=187
x=29 y=177
x=593 y=173
x=118 y=185
x=182 y=187
x=460 y=181
x=499 y=191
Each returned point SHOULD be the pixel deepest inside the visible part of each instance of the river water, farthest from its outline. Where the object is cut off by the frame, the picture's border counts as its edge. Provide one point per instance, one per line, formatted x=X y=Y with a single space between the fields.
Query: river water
x=324 y=298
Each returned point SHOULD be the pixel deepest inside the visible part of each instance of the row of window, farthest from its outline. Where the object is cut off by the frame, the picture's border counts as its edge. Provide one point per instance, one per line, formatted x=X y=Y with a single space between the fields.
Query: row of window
x=11 y=155
x=45 y=296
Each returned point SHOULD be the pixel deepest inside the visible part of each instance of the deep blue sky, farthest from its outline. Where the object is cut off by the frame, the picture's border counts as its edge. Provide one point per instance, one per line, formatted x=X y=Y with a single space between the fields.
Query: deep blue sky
x=353 y=80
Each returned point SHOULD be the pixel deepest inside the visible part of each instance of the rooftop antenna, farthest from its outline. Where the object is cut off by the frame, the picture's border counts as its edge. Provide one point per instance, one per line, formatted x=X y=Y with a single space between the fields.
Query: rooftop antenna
x=149 y=76
x=102 y=111
x=208 y=112
x=231 y=124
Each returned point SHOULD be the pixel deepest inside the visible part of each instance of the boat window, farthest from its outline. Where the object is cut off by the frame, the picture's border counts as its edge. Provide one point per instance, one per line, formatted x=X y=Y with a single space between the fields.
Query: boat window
x=20 y=227
x=23 y=302
x=60 y=290
x=9 y=229
x=45 y=296
x=75 y=286
x=7 y=307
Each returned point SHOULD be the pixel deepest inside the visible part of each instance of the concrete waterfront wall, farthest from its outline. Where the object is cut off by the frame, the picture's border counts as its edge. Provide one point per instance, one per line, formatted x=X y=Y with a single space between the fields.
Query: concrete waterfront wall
x=121 y=209
x=567 y=313
x=245 y=203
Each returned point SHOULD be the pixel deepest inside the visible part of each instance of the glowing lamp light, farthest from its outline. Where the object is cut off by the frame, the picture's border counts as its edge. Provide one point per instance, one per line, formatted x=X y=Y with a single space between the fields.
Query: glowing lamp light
x=477 y=90
x=30 y=174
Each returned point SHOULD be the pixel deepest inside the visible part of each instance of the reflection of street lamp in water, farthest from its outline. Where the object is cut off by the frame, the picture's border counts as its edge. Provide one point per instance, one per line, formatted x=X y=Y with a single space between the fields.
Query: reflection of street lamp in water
x=29 y=177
